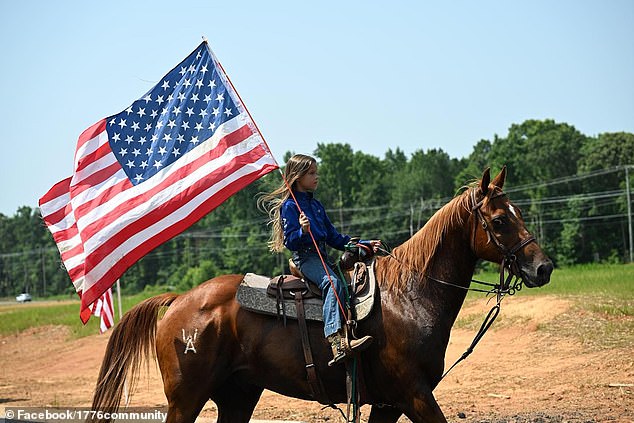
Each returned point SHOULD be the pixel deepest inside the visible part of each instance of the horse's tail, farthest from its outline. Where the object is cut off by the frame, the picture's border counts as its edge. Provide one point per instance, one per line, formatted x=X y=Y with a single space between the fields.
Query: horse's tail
x=132 y=341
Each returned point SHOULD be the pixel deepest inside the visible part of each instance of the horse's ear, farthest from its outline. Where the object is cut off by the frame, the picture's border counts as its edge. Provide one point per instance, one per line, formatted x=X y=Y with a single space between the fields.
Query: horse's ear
x=484 y=182
x=498 y=181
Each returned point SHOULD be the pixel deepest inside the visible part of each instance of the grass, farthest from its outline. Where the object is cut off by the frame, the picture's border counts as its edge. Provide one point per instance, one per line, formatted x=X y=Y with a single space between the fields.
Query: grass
x=15 y=318
x=603 y=295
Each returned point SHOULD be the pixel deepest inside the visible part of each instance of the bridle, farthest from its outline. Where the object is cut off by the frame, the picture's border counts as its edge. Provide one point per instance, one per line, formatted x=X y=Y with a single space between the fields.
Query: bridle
x=509 y=259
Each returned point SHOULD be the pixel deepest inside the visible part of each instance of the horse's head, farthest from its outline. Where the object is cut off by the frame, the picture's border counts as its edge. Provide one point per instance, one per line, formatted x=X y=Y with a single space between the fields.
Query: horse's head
x=499 y=234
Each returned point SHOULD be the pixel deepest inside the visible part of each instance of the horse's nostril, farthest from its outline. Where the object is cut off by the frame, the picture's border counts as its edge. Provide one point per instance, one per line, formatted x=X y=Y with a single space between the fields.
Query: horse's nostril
x=544 y=270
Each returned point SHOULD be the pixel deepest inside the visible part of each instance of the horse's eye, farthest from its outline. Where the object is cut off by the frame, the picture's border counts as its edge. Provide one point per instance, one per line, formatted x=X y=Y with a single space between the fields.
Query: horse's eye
x=498 y=221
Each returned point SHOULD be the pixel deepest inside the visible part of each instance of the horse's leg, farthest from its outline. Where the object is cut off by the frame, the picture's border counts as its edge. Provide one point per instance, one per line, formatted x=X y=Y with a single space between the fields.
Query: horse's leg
x=384 y=414
x=236 y=402
x=184 y=404
x=425 y=409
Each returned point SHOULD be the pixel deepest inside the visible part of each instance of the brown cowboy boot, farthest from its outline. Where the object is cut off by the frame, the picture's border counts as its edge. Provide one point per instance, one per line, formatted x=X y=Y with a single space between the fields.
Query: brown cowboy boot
x=342 y=348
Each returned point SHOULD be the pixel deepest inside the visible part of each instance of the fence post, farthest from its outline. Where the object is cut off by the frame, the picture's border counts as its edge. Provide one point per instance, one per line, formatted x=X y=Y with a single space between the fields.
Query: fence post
x=629 y=209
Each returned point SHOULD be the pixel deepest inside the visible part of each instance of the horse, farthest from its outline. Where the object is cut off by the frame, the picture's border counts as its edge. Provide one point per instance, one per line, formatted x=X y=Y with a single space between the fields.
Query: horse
x=208 y=347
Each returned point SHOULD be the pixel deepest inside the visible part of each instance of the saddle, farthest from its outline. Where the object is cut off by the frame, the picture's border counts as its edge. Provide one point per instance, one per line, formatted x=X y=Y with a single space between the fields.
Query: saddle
x=291 y=296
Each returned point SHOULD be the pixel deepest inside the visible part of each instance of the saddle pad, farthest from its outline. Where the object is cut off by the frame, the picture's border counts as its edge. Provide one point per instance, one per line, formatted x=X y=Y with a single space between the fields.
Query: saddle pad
x=252 y=296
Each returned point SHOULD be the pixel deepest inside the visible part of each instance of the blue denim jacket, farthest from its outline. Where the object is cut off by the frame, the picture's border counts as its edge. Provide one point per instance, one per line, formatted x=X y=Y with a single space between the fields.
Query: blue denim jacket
x=323 y=230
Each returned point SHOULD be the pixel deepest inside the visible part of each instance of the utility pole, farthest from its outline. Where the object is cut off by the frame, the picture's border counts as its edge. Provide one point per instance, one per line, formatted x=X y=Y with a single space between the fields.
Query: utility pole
x=629 y=209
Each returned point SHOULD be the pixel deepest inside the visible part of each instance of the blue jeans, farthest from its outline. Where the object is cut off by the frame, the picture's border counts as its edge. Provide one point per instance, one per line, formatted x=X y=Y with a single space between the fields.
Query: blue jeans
x=311 y=267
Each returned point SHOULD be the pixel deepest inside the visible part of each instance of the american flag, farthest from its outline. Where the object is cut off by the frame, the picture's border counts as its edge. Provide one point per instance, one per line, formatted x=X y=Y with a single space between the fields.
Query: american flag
x=103 y=308
x=144 y=175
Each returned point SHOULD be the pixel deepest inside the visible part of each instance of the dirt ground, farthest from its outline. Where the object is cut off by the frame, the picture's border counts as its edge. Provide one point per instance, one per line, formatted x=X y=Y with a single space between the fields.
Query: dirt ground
x=521 y=371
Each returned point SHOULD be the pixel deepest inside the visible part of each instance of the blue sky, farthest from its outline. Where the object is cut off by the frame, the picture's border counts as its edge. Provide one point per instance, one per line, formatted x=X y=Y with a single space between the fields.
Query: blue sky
x=376 y=75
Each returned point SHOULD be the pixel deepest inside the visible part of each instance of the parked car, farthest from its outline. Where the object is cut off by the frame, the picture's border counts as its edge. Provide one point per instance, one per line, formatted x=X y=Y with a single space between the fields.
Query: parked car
x=24 y=297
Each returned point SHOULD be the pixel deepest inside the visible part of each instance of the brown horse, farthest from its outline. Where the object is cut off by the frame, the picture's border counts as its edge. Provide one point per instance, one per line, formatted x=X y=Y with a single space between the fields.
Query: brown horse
x=208 y=347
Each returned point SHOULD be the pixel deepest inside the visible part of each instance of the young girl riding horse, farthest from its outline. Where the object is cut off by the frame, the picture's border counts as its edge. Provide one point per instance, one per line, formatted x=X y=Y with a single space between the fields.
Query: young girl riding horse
x=293 y=222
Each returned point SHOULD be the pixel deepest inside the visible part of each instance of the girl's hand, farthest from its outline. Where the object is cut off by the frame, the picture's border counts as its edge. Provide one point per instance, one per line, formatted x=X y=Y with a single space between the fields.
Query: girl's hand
x=376 y=244
x=304 y=222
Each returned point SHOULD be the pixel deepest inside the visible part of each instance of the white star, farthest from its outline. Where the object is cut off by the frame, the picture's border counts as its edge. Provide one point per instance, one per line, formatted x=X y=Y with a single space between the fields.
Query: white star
x=170 y=98
x=129 y=139
x=129 y=110
x=166 y=84
x=154 y=138
x=203 y=70
x=171 y=124
x=203 y=113
x=194 y=98
x=135 y=126
x=183 y=70
x=199 y=83
x=167 y=137
x=185 y=125
x=162 y=151
x=186 y=84
x=181 y=96
x=199 y=126
x=160 y=100
x=136 y=152
x=228 y=112
x=207 y=98
x=138 y=178
x=159 y=124
x=220 y=97
x=190 y=111
x=212 y=126
x=176 y=110
x=148 y=127
x=191 y=68
x=149 y=152
x=176 y=153
x=147 y=98
x=123 y=152
x=142 y=140
x=180 y=138
x=194 y=140
x=130 y=164
x=143 y=164
x=216 y=112
x=154 y=113
x=122 y=123
x=116 y=137
x=212 y=83
x=113 y=121
x=163 y=111
x=157 y=164
x=141 y=112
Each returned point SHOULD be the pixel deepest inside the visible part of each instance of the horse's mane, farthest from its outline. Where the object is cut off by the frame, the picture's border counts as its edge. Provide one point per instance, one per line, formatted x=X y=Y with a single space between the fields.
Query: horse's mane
x=412 y=258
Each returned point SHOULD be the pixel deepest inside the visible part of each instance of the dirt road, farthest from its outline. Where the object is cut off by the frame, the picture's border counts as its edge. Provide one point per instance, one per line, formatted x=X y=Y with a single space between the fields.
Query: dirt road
x=528 y=368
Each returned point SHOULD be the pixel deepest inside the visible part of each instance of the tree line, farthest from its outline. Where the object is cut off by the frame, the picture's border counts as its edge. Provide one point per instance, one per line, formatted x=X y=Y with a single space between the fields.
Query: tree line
x=571 y=188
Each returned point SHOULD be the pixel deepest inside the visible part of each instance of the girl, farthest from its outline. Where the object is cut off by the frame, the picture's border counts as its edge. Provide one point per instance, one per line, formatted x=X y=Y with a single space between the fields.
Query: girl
x=291 y=229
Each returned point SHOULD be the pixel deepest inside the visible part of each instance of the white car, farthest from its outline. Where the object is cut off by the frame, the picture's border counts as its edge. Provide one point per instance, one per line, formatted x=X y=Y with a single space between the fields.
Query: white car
x=24 y=297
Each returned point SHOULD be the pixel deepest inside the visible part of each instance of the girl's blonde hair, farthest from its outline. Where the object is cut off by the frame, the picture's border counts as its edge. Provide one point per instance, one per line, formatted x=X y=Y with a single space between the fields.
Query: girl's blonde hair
x=296 y=167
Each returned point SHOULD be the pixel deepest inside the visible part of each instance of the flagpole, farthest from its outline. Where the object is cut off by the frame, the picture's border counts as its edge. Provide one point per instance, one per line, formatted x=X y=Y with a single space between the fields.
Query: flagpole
x=125 y=384
x=119 y=300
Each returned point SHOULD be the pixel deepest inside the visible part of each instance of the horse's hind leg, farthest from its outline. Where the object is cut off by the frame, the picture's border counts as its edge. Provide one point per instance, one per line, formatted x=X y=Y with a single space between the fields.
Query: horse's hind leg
x=184 y=404
x=236 y=402
x=384 y=414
